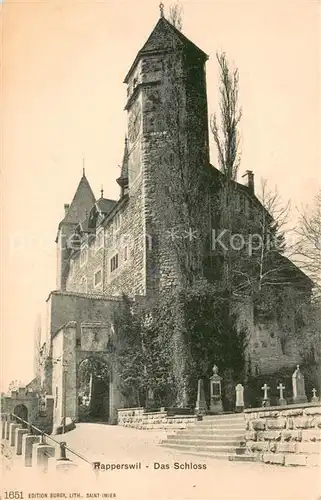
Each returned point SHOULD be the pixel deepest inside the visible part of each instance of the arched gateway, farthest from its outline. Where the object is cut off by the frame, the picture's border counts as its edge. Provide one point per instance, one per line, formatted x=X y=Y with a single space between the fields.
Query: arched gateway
x=21 y=411
x=93 y=389
x=84 y=381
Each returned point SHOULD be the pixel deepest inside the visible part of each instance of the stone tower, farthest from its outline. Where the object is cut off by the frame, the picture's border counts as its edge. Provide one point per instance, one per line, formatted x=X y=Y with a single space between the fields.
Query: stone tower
x=167 y=123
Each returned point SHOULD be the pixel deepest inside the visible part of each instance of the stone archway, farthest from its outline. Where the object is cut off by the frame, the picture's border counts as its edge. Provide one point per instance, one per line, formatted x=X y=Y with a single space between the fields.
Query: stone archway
x=93 y=384
x=22 y=412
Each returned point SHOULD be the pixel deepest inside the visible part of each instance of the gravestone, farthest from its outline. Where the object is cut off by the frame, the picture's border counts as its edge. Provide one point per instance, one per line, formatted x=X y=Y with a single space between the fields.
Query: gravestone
x=314 y=398
x=216 y=392
x=201 y=406
x=298 y=386
x=282 y=401
x=150 y=401
x=266 y=399
x=239 y=403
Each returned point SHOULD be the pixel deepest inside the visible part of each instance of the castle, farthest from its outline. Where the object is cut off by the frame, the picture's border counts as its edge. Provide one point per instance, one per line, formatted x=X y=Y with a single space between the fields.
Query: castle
x=107 y=248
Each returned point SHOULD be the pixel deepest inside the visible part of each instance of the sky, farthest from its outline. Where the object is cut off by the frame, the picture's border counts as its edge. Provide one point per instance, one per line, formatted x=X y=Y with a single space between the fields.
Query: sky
x=62 y=99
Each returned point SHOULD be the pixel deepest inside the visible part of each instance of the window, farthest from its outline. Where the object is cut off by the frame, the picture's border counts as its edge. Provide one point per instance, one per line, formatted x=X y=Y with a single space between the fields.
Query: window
x=97 y=277
x=78 y=342
x=117 y=221
x=114 y=263
x=126 y=253
x=56 y=397
x=99 y=239
x=83 y=255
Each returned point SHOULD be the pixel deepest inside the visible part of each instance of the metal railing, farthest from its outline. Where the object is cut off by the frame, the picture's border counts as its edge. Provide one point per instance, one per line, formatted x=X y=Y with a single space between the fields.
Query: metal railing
x=62 y=444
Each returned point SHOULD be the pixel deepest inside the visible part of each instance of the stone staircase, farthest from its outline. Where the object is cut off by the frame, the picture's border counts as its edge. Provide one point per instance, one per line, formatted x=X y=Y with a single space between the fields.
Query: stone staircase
x=216 y=436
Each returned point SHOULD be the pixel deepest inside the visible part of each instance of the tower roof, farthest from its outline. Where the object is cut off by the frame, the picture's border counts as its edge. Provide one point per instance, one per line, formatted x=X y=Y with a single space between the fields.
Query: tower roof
x=163 y=38
x=82 y=202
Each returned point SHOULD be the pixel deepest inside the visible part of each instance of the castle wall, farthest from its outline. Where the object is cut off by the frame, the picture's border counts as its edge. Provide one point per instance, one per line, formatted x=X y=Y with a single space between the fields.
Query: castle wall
x=70 y=306
x=124 y=236
x=264 y=348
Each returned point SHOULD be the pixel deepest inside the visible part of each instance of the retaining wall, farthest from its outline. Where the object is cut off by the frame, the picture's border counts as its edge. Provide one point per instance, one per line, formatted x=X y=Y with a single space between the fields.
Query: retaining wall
x=141 y=419
x=285 y=435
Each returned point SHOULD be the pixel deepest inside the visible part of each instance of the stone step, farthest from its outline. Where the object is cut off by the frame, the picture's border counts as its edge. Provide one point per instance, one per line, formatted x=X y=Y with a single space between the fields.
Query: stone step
x=221 y=423
x=225 y=456
x=208 y=437
x=213 y=449
x=224 y=418
x=213 y=435
x=227 y=429
x=201 y=443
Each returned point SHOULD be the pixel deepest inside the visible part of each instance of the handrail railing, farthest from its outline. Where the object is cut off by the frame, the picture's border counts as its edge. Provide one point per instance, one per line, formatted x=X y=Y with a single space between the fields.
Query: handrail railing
x=62 y=444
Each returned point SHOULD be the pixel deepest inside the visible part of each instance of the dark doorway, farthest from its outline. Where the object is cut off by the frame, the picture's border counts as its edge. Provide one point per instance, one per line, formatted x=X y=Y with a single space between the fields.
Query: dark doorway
x=93 y=391
x=22 y=412
x=100 y=400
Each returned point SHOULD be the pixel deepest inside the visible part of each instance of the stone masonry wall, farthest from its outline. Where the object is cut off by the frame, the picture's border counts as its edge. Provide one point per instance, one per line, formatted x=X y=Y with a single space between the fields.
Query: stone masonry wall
x=123 y=235
x=129 y=242
x=287 y=435
x=70 y=306
x=264 y=347
x=138 y=418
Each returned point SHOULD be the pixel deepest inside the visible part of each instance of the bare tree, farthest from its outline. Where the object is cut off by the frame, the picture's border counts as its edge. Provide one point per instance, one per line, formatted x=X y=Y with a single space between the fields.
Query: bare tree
x=37 y=348
x=175 y=16
x=308 y=249
x=262 y=261
x=14 y=385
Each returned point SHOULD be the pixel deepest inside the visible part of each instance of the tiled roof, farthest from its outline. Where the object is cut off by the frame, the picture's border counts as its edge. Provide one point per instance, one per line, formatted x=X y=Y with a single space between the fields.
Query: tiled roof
x=104 y=205
x=82 y=202
x=164 y=37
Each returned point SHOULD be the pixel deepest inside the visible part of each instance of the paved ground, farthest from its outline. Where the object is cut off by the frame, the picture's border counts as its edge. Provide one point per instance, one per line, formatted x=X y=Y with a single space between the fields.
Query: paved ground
x=220 y=480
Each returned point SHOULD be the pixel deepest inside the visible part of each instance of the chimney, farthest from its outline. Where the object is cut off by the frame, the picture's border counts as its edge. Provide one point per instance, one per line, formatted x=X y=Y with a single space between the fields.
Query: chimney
x=249 y=180
x=66 y=207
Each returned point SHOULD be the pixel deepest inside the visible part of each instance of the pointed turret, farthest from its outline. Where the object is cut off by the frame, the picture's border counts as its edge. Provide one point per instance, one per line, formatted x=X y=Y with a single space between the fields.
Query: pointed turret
x=75 y=213
x=82 y=202
x=123 y=179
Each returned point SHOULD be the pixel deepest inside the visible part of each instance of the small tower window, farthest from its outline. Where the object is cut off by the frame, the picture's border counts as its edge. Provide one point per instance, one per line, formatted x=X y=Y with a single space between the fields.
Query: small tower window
x=114 y=263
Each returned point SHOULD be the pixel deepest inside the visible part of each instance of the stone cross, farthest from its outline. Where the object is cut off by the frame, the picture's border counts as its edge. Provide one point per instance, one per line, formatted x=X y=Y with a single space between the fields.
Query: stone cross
x=201 y=406
x=298 y=386
x=239 y=404
x=265 y=401
x=314 y=396
x=281 y=388
x=282 y=400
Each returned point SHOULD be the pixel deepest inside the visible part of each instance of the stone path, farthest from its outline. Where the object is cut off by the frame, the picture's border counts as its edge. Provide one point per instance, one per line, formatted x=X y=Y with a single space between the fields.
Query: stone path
x=220 y=480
